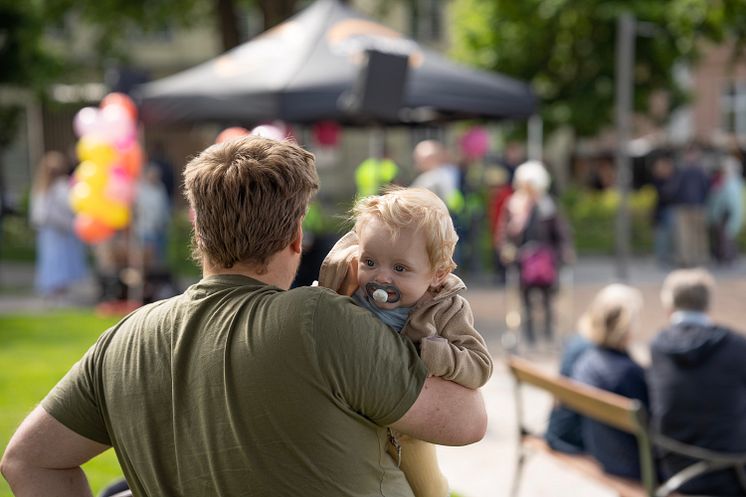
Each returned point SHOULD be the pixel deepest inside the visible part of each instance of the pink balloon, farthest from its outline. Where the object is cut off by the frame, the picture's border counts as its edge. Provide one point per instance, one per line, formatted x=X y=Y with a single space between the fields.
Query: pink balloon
x=117 y=123
x=475 y=143
x=120 y=187
x=125 y=142
x=269 y=131
x=86 y=121
x=119 y=170
x=231 y=133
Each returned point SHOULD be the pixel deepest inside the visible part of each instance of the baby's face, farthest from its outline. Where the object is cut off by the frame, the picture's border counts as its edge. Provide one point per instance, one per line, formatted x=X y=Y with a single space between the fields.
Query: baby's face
x=399 y=262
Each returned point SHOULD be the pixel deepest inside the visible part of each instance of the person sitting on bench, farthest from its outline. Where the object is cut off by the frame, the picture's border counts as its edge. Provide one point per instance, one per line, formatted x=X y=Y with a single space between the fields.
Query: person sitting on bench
x=698 y=382
x=609 y=324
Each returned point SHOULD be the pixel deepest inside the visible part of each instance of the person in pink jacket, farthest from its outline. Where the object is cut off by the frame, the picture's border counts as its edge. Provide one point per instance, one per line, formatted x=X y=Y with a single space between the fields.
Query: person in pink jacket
x=397 y=262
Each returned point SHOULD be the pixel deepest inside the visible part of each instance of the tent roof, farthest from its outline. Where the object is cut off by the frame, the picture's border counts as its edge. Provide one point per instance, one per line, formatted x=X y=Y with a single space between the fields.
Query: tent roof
x=299 y=70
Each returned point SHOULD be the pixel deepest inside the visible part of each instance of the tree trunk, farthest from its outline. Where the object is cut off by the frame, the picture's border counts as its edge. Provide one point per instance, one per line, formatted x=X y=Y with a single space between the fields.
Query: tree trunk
x=276 y=11
x=227 y=18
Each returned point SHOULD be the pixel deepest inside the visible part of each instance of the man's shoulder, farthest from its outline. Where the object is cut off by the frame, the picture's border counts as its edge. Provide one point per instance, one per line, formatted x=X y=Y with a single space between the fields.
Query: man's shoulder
x=324 y=302
x=732 y=337
x=678 y=331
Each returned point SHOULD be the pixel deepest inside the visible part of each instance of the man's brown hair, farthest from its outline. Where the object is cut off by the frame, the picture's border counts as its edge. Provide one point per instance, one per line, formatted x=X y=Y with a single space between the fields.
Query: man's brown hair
x=248 y=196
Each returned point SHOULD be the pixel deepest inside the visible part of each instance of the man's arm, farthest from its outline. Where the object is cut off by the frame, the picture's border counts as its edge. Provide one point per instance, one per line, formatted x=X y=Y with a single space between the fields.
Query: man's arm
x=445 y=413
x=44 y=458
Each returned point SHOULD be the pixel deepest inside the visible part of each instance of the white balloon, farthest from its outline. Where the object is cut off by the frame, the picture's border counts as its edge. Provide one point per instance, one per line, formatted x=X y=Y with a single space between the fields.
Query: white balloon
x=86 y=121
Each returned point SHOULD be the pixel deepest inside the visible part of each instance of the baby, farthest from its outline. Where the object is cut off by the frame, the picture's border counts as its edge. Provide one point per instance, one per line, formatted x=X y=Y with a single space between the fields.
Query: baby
x=397 y=262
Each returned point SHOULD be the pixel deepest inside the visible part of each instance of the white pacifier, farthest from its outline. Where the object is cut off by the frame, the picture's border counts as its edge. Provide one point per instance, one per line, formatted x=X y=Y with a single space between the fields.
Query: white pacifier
x=382 y=294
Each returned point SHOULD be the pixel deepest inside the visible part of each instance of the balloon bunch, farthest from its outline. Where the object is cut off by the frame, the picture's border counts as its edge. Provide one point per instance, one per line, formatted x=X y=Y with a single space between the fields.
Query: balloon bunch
x=110 y=162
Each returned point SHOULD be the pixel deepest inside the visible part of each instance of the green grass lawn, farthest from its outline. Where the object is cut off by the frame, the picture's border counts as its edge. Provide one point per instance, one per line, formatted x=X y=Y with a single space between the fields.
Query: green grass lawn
x=35 y=352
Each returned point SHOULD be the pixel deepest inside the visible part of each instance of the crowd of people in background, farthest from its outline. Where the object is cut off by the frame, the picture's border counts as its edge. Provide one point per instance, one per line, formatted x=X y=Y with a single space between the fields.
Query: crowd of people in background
x=699 y=211
x=505 y=221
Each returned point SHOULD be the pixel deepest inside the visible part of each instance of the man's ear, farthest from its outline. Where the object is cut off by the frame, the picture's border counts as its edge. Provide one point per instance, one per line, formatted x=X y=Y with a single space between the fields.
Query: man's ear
x=297 y=244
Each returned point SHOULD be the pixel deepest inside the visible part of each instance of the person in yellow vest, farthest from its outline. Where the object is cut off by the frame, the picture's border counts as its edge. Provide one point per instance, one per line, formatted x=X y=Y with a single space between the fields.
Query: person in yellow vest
x=373 y=174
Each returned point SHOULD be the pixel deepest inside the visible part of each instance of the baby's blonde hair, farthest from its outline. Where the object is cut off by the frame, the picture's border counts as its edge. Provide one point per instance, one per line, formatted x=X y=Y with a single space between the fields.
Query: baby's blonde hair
x=418 y=208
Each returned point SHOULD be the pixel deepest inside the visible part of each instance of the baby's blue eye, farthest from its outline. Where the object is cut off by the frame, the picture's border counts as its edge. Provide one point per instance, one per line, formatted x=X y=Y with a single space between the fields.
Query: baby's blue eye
x=399 y=268
x=368 y=262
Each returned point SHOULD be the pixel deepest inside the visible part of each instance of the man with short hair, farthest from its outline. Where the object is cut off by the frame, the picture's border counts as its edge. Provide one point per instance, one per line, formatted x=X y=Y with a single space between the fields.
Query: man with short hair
x=697 y=382
x=240 y=386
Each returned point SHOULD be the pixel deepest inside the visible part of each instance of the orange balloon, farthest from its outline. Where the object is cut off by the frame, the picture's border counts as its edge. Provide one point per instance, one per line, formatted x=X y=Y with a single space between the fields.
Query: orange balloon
x=90 y=229
x=131 y=159
x=231 y=133
x=123 y=100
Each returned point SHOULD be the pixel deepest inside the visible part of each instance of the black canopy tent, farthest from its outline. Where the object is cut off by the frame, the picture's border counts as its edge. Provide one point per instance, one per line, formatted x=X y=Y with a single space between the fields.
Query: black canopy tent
x=302 y=70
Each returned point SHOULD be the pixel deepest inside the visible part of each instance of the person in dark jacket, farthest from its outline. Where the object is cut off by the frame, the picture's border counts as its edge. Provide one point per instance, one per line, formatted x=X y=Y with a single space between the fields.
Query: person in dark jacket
x=689 y=195
x=698 y=382
x=564 y=430
x=610 y=324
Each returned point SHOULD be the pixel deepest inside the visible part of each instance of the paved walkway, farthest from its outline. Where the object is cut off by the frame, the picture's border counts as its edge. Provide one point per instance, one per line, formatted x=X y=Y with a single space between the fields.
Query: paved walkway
x=485 y=469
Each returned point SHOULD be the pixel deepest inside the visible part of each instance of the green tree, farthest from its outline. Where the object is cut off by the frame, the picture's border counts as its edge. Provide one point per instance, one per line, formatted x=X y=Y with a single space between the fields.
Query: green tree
x=566 y=48
x=24 y=62
x=116 y=18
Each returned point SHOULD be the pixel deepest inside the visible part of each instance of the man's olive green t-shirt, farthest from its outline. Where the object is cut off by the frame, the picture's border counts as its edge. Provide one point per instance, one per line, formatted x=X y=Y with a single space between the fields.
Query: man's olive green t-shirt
x=237 y=388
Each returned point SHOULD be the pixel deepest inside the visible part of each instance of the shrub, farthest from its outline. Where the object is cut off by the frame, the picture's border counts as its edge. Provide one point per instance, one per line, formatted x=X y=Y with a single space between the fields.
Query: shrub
x=593 y=217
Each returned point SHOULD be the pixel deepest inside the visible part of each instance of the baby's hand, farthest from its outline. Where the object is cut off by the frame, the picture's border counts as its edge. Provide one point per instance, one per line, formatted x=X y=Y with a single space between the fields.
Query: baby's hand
x=349 y=283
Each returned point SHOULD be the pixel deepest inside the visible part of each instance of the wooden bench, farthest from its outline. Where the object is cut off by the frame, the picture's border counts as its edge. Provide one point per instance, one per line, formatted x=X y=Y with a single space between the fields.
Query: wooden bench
x=620 y=412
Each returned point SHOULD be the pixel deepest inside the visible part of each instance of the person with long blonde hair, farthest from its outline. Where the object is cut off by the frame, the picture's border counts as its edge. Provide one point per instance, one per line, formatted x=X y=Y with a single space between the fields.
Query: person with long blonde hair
x=60 y=255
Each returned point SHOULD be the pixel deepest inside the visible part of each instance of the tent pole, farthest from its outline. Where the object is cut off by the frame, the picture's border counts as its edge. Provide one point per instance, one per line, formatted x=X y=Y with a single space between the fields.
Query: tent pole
x=377 y=141
x=535 y=137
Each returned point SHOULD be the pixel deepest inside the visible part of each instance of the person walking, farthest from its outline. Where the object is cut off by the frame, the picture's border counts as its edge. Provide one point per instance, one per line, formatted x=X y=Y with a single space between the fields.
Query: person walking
x=663 y=213
x=725 y=209
x=240 y=384
x=690 y=189
x=534 y=236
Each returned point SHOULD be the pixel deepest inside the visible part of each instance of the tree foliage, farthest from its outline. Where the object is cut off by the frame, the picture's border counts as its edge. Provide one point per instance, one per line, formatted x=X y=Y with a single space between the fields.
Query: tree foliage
x=114 y=20
x=566 y=48
x=23 y=60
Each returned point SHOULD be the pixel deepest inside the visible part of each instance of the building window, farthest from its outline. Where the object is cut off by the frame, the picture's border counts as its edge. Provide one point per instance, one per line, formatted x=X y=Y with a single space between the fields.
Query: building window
x=427 y=20
x=733 y=109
